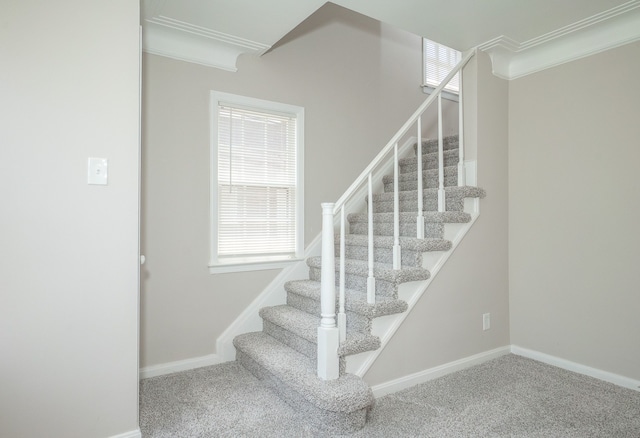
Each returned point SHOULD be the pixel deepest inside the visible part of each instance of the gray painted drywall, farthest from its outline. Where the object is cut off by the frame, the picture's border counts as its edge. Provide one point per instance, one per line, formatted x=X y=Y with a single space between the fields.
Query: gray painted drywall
x=574 y=148
x=69 y=88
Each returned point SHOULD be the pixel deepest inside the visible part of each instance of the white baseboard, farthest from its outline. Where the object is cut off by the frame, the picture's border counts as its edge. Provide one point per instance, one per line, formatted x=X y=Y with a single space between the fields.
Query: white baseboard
x=439 y=371
x=180 y=365
x=132 y=434
x=616 y=379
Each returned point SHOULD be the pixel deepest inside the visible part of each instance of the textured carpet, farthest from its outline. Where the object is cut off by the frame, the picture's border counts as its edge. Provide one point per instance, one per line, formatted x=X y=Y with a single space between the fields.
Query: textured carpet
x=507 y=397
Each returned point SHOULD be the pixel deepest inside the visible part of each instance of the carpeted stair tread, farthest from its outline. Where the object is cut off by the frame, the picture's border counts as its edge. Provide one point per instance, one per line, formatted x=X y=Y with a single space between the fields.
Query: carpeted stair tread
x=408 y=243
x=355 y=300
x=305 y=325
x=347 y=393
x=381 y=271
x=454 y=191
x=410 y=217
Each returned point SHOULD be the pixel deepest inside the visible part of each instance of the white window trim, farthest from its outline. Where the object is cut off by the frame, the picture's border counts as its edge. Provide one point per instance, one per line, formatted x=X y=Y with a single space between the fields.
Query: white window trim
x=264 y=262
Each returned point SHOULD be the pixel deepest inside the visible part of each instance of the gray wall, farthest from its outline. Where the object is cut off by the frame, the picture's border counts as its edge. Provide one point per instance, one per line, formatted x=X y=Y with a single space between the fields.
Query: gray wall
x=358 y=81
x=574 y=148
x=69 y=260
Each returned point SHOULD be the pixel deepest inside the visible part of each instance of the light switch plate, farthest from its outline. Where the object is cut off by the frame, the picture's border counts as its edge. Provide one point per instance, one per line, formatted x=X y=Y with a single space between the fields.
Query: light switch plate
x=98 y=168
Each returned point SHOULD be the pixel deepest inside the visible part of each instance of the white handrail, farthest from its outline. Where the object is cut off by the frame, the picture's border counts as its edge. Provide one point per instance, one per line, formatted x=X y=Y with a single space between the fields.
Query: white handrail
x=402 y=131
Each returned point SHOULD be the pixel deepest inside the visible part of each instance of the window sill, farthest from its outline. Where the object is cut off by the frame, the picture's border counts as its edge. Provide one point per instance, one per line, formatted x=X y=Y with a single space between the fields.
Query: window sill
x=260 y=265
x=427 y=89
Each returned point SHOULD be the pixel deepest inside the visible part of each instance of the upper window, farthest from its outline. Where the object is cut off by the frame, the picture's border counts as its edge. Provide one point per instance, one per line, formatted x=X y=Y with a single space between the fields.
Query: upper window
x=439 y=60
x=256 y=183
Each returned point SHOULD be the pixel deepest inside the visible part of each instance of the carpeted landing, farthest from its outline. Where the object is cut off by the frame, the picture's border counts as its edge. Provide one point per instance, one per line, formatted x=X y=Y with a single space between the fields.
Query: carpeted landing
x=507 y=397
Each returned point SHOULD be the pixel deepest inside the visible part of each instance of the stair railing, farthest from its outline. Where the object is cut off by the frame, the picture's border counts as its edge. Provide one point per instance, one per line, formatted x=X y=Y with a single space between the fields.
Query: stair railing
x=330 y=334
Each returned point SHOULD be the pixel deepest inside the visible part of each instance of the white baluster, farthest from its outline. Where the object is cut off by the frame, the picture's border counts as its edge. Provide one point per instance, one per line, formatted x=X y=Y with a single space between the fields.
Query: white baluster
x=420 y=217
x=328 y=336
x=342 y=316
x=371 y=280
x=441 y=193
x=461 y=171
x=396 y=211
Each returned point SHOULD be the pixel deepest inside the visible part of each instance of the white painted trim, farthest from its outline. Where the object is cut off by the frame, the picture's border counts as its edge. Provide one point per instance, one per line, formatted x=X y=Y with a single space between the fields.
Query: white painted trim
x=216 y=265
x=606 y=30
x=175 y=39
x=250 y=266
x=568 y=365
x=131 y=434
x=180 y=365
x=436 y=372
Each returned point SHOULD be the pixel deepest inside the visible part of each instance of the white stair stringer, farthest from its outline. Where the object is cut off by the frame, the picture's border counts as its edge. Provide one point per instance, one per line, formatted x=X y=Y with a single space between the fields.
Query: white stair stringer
x=385 y=326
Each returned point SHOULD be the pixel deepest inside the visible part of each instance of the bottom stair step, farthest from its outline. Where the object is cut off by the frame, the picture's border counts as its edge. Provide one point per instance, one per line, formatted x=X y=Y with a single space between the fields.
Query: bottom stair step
x=339 y=405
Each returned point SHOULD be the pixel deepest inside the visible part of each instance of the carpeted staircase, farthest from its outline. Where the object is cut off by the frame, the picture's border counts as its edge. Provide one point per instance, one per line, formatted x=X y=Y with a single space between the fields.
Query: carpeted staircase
x=283 y=355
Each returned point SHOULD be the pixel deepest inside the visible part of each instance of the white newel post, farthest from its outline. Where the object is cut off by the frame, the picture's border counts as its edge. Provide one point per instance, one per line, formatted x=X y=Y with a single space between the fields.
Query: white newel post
x=461 y=172
x=328 y=336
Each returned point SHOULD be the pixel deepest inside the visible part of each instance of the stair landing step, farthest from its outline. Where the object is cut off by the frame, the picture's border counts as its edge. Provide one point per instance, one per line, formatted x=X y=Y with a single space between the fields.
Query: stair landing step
x=305 y=325
x=348 y=393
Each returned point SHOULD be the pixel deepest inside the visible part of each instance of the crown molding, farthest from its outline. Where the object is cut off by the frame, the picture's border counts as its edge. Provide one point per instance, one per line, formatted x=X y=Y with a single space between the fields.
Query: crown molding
x=607 y=30
x=176 y=39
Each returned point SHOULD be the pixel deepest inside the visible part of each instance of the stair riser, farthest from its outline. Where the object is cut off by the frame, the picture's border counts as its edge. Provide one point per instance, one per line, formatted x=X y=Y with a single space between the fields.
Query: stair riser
x=427 y=164
x=338 y=422
x=355 y=321
x=406 y=229
x=431 y=145
x=429 y=203
x=431 y=183
x=352 y=281
x=381 y=255
x=292 y=340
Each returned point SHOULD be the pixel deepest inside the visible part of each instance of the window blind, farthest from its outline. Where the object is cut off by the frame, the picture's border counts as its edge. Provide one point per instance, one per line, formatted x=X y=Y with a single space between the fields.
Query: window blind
x=256 y=183
x=438 y=62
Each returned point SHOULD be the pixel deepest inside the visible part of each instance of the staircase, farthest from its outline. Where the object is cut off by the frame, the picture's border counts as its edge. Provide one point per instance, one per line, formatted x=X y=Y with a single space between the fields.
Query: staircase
x=284 y=354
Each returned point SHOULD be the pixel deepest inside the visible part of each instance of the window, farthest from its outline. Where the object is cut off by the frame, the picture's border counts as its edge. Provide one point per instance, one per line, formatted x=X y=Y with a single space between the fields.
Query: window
x=256 y=183
x=438 y=62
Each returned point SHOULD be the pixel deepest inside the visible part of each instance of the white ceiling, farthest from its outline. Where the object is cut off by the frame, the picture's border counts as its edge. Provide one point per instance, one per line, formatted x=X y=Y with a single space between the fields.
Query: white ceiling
x=215 y=32
x=464 y=24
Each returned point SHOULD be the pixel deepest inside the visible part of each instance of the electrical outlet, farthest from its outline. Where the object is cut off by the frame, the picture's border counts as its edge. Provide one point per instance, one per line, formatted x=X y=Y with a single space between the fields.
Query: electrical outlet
x=486 y=321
